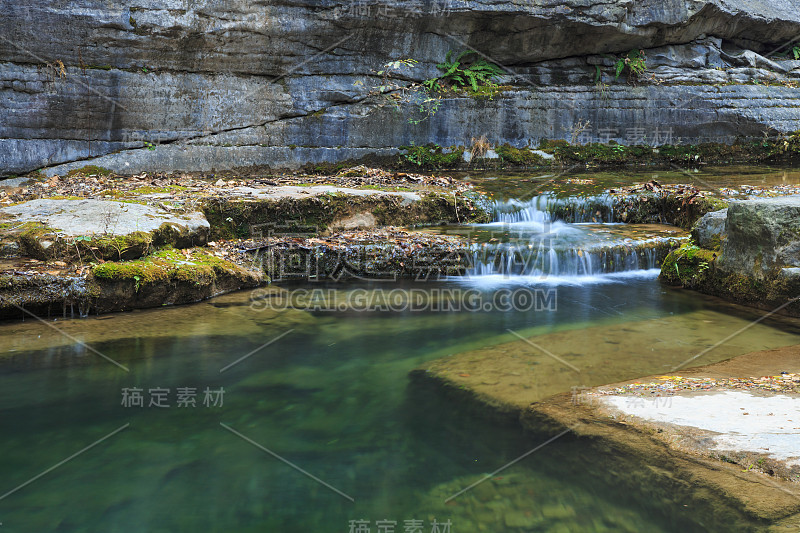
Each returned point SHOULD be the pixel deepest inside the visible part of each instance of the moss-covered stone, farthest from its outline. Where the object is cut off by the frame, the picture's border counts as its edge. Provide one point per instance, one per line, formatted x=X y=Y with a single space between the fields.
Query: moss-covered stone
x=44 y=243
x=39 y=241
x=688 y=266
x=519 y=156
x=120 y=247
x=433 y=156
x=612 y=154
x=244 y=218
x=167 y=266
x=168 y=277
x=699 y=269
x=89 y=170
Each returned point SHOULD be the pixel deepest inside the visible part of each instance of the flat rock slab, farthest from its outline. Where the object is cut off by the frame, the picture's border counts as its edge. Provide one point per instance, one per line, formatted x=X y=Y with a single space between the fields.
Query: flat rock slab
x=739 y=421
x=103 y=217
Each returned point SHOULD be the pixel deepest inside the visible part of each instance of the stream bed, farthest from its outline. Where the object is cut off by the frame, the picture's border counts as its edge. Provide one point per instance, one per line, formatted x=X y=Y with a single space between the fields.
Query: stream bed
x=256 y=415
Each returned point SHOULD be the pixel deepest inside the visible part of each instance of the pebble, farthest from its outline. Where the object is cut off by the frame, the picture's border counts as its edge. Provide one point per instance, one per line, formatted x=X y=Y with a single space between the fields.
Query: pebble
x=783 y=383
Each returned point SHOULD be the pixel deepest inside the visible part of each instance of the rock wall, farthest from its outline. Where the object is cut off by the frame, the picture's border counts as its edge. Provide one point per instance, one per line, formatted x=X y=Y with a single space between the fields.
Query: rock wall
x=219 y=84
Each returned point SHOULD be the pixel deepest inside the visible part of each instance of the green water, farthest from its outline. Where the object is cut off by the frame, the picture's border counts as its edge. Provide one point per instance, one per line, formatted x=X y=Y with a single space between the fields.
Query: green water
x=332 y=397
x=324 y=425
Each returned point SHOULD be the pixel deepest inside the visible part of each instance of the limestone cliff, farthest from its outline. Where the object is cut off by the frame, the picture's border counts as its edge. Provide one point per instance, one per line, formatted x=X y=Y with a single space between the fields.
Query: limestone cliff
x=218 y=84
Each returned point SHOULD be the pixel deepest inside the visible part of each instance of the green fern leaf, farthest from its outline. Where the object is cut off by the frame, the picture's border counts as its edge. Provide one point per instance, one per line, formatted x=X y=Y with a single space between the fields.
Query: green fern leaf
x=464 y=54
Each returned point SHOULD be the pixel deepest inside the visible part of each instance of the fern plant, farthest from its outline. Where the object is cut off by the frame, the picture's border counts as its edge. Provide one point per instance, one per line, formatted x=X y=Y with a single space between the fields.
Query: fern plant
x=460 y=73
x=635 y=61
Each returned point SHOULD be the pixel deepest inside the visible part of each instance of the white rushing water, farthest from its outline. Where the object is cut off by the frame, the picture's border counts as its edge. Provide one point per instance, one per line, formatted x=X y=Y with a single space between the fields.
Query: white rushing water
x=547 y=208
x=535 y=246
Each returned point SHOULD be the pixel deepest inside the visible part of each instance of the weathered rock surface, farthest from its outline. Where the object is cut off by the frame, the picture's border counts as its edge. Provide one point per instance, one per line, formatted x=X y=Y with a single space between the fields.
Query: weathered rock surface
x=762 y=236
x=225 y=84
x=49 y=228
x=75 y=218
x=709 y=231
x=758 y=263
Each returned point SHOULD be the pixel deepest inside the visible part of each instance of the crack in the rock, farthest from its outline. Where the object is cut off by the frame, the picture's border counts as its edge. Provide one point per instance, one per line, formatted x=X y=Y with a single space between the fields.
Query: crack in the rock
x=211 y=134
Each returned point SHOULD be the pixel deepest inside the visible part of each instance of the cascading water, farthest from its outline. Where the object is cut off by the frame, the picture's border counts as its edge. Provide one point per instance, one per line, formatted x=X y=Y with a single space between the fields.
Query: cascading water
x=546 y=259
x=531 y=239
x=548 y=208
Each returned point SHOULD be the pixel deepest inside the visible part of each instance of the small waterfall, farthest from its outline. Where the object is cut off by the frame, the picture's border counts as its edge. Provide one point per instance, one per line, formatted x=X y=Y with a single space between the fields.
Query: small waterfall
x=547 y=208
x=563 y=238
x=550 y=259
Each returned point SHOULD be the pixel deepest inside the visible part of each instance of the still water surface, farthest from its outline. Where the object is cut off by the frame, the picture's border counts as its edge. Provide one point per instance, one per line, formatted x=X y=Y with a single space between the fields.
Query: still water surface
x=332 y=397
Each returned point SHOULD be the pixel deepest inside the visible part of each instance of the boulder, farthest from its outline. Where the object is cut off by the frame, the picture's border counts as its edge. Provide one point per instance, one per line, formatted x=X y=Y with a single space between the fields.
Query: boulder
x=763 y=236
x=709 y=231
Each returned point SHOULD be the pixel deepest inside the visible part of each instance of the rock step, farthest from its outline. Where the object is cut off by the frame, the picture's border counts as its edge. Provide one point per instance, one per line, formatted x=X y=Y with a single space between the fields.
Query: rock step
x=57 y=228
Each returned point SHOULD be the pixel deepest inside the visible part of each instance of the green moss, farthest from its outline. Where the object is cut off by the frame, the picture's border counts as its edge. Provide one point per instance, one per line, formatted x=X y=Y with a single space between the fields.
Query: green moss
x=433 y=156
x=784 y=149
x=6 y=282
x=602 y=153
x=696 y=268
x=30 y=237
x=326 y=169
x=133 y=245
x=240 y=218
x=89 y=170
x=550 y=145
x=167 y=266
x=155 y=190
x=385 y=188
x=519 y=156
x=62 y=197
x=688 y=266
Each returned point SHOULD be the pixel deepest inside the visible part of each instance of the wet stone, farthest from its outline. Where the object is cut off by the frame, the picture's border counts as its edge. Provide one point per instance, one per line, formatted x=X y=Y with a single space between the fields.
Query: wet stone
x=521 y=519
x=557 y=511
x=485 y=492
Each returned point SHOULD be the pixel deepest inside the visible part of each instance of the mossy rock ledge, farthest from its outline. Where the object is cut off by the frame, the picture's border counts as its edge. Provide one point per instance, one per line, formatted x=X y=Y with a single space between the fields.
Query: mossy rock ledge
x=316 y=210
x=90 y=229
x=167 y=277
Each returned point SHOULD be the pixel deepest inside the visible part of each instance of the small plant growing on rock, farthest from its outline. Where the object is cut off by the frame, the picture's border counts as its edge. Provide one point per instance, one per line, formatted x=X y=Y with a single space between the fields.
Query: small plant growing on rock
x=693 y=258
x=433 y=156
x=635 y=61
x=394 y=68
x=601 y=87
x=480 y=146
x=577 y=130
x=462 y=74
x=57 y=70
x=395 y=89
x=794 y=52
